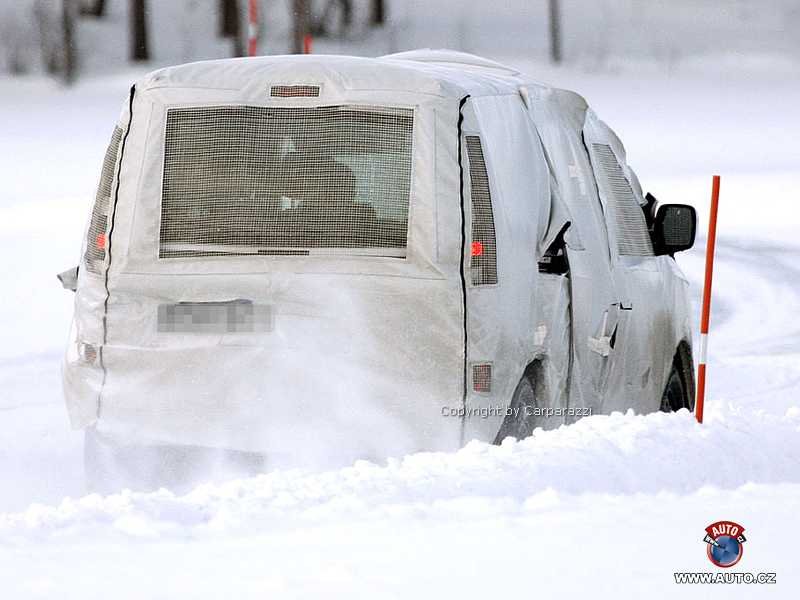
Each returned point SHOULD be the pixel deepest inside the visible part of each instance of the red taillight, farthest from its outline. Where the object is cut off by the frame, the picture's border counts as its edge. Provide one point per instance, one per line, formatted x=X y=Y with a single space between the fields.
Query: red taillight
x=482 y=378
x=477 y=248
x=87 y=352
x=100 y=241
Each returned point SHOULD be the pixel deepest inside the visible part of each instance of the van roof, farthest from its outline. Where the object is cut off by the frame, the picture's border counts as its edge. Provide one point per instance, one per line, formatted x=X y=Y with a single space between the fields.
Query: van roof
x=444 y=73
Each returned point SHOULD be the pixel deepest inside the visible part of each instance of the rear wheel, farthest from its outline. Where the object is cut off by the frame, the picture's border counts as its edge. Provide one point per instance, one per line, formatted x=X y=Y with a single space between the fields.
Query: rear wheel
x=100 y=466
x=112 y=464
x=679 y=391
x=521 y=419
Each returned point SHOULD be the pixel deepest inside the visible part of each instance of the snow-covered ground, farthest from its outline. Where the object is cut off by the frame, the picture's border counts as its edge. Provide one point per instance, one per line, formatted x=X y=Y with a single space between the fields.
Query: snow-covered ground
x=610 y=506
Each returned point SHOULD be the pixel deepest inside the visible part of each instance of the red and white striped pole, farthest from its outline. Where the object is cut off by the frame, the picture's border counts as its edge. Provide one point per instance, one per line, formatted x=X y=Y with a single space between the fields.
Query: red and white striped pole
x=252 y=28
x=706 y=313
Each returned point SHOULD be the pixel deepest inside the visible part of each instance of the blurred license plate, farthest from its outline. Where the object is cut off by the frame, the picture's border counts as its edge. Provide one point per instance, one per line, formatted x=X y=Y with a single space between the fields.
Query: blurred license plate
x=232 y=316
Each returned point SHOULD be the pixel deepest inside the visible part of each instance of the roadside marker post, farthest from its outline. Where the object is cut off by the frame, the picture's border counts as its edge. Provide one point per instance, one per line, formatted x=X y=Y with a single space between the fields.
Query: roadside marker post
x=706 y=310
x=252 y=28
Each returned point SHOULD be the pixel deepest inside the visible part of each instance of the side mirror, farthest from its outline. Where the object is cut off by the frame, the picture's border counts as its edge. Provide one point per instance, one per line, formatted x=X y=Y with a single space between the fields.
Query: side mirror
x=69 y=279
x=674 y=228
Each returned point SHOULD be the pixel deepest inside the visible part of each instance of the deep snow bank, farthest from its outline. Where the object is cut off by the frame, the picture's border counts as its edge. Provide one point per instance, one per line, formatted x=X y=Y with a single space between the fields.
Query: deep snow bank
x=617 y=454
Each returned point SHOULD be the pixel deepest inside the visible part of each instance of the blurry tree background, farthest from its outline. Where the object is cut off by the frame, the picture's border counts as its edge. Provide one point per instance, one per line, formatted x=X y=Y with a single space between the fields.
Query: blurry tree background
x=71 y=38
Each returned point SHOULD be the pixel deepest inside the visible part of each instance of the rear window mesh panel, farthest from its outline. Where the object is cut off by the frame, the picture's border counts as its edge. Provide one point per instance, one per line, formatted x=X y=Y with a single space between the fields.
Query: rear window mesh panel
x=483 y=262
x=633 y=238
x=244 y=180
x=96 y=236
x=294 y=91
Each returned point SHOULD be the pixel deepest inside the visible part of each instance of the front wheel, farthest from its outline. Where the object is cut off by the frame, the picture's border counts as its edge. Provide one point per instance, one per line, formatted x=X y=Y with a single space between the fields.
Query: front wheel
x=679 y=391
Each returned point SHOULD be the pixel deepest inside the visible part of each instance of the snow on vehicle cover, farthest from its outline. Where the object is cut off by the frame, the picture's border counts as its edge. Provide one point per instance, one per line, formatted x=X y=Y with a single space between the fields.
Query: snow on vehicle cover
x=324 y=252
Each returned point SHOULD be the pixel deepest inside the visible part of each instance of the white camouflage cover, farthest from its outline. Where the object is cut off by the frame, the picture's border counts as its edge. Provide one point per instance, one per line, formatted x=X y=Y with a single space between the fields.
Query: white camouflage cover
x=365 y=354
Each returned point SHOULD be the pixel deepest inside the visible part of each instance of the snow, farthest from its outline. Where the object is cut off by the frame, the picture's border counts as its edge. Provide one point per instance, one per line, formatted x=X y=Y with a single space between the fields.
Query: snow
x=602 y=34
x=600 y=455
x=611 y=506
x=462 y=522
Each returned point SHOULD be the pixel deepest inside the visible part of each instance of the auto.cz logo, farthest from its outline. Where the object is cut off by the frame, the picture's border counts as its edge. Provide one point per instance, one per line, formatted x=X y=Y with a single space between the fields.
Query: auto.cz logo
x=724 y=547
x=724 y=539
x=729 y=577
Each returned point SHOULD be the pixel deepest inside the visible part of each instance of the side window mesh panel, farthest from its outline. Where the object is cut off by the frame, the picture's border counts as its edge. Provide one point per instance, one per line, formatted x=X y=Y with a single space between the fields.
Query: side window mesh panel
x=631 y=228
x=483 y=261
x=96 y=236
x=286 y=181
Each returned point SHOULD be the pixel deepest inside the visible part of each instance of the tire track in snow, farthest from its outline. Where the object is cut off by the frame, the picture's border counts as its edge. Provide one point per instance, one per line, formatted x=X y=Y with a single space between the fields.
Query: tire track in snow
x=754 y=346
x=766 y=263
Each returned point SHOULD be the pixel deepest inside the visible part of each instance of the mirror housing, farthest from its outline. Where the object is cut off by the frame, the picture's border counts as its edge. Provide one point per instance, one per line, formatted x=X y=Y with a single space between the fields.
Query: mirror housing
x=674 y=228
x=69 y=279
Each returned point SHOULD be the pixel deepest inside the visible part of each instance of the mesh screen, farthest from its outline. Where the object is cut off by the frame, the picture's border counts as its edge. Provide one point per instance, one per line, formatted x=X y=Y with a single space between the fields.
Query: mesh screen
x=294 y=91
x=96 y=236
x=483 y=261
x=482 y=377
x=286 y=181
x=678 y=228
x=631 y=228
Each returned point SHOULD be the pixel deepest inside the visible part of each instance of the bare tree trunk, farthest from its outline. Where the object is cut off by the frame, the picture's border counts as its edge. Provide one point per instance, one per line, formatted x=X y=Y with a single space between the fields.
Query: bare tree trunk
x=239 y=44
x=68 y=41
x=319 y=24
x=138 y=25
x=230 y=24
x=228 y=18
x=378 y=16
x=48 y=25
x=93 y=8
x=555 y=31
x=302 y=20
x=347 y=14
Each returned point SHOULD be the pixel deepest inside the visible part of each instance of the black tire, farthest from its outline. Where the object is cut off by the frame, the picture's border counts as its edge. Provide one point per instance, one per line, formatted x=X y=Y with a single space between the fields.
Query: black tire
x=521 y=419
x=110 y=466
x=679 y=390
